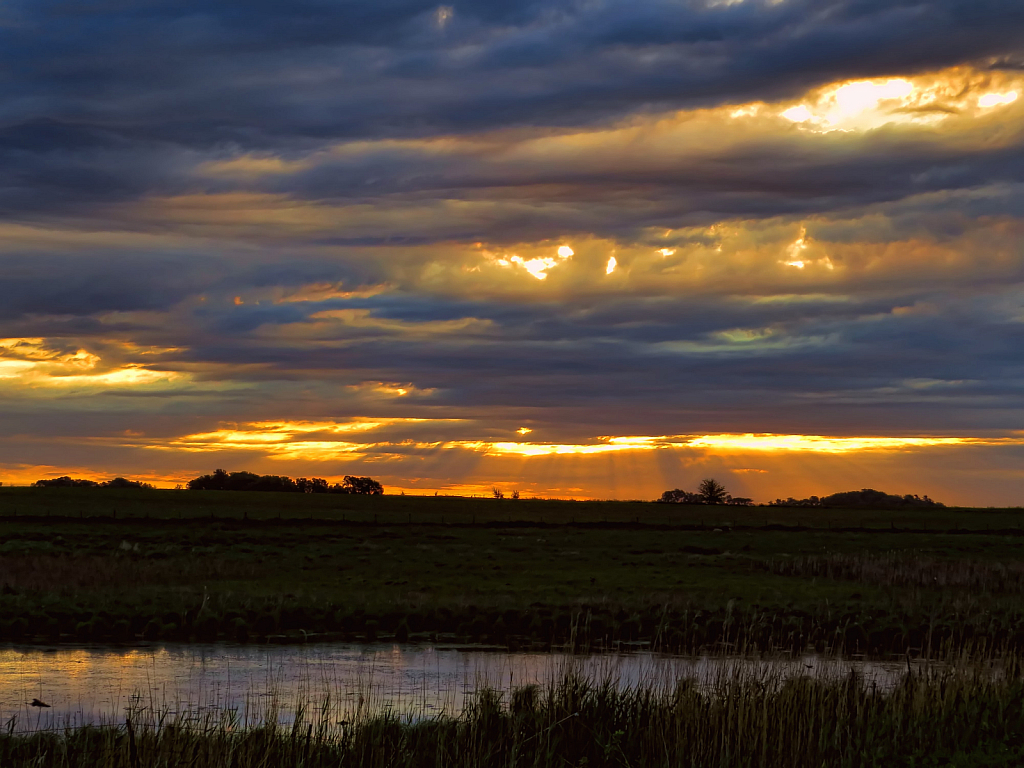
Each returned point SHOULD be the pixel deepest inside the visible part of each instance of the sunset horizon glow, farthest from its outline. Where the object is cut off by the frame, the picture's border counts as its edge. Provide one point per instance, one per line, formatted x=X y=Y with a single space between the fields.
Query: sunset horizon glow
x=598 y=251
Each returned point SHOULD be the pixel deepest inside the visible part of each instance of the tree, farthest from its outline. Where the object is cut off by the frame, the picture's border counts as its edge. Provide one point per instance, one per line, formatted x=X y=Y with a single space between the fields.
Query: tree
x=362 y=485
x=312 y=485
x=65 y=482
x=712 y=492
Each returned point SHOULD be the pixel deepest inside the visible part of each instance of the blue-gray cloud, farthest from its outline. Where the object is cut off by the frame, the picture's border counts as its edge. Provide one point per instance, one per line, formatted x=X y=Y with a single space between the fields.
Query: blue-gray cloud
x=107 y=110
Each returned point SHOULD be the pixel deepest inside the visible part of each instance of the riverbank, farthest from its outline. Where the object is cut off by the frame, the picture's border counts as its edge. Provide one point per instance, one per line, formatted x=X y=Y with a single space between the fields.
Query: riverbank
x=962 y=715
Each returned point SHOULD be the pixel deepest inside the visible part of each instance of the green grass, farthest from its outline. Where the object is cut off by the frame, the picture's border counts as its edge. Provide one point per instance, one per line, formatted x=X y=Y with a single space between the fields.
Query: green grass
x=219 y=565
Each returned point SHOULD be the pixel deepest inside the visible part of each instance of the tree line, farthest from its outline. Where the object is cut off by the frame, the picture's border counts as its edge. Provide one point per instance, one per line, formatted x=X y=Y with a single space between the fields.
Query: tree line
x=221 y=480
x=710 y=491
x=865 y=498
x=76 y=482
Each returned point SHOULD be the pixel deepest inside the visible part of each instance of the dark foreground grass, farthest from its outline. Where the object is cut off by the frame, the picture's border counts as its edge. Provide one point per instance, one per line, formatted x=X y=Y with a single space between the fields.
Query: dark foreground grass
x=187 y=566
x=959 y=716
x=86 y=503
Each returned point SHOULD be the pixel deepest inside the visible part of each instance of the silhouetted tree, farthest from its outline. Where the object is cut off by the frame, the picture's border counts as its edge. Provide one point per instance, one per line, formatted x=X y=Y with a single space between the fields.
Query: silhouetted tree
x=712 y=492
x=313 y=485
x=243 y=481
x=362 y=485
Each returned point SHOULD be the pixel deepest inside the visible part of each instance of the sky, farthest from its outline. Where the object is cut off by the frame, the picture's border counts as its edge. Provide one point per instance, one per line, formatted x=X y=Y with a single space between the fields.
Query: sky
x=579 y=248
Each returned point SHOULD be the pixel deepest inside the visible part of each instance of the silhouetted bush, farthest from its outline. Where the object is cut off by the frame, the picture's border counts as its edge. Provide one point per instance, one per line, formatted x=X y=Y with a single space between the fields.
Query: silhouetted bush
x=371 y=629
x=402 y=633
x=65 y=482
x=152 y=630
x=70 y=482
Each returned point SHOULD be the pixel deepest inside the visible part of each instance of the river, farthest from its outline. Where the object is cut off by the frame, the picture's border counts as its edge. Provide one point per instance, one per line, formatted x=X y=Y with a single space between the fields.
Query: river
x=102 y=684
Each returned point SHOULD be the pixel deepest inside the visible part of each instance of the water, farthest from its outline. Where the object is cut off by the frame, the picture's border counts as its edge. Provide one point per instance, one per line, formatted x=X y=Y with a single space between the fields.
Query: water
x=97 y=685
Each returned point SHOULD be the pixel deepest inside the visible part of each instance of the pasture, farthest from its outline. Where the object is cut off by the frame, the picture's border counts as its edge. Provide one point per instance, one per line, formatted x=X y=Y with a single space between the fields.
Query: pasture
x=79 y=565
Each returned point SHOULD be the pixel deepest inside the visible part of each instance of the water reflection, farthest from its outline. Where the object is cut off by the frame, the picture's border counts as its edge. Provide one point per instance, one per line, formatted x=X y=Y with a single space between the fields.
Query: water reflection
x=95 y=685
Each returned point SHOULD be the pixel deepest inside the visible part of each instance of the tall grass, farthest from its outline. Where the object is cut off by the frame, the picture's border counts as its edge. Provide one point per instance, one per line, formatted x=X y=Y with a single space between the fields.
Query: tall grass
x=905 y=569
x=963 y=713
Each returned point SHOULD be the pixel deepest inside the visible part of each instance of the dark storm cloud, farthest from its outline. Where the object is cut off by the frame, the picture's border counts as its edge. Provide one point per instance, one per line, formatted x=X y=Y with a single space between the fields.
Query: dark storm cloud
x=823 y=365
x=131 y=141
x=93 y=283
x=268 y=74
x=113 y=102
x=795 y=175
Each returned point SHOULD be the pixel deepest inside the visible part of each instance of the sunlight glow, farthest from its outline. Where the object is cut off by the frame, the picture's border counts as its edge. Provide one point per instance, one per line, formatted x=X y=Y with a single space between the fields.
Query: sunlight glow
x=925 y=99
x=996 y=99
x=537 y=266
x=798 y=114
x=312 y=441
x=612 y=264
x=855 y=98
x=34 y=364
x=819 y=444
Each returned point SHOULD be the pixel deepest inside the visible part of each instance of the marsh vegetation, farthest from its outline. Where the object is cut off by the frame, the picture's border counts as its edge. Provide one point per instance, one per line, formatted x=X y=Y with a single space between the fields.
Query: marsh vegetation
x=963 y=713
x=136 y=565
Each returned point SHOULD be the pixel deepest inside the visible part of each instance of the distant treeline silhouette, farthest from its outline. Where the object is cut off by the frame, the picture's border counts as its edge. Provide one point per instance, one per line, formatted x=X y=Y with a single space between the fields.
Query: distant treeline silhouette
x=865 y=498
x=221 y=480
x=712 y=492
x=72 y=482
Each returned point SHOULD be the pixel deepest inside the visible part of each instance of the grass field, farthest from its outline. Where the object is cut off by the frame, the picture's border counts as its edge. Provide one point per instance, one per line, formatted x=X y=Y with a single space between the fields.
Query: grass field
x=101 y=565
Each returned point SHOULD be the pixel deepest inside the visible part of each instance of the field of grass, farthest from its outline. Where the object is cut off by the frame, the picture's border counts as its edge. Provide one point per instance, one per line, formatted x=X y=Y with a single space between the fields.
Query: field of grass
x=101 y=564
x=959 y=714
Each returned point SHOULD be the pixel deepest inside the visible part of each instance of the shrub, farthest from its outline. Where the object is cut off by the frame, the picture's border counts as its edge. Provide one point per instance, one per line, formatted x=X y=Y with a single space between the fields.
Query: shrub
x=240 y=630
x=402 y=632
x=207 y=628
x=372 y=626
x=265 y=625
x=152 y=630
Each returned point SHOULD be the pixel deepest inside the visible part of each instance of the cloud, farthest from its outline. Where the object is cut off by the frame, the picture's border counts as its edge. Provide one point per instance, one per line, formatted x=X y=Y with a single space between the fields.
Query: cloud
x=580 y=219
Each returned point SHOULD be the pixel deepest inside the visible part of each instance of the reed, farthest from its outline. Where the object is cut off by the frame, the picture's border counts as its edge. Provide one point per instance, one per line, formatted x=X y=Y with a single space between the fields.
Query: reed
x=905 y=569
x=967 y=712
